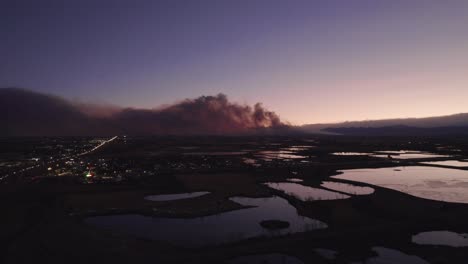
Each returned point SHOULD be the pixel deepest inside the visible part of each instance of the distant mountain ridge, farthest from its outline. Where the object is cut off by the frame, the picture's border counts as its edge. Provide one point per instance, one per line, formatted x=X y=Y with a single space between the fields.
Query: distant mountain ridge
x=400 y=130
x=440 y=125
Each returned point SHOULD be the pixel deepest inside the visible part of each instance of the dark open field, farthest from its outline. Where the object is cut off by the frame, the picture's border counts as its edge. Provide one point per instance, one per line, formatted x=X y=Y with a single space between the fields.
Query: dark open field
x=43 y=213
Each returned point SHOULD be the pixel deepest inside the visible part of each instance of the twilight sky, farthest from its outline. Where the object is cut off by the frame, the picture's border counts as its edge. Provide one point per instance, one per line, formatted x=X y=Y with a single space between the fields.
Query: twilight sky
x=309 y=61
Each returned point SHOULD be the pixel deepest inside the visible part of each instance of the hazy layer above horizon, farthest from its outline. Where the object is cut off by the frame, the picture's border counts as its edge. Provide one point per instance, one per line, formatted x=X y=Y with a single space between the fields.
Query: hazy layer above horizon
x=309 y=61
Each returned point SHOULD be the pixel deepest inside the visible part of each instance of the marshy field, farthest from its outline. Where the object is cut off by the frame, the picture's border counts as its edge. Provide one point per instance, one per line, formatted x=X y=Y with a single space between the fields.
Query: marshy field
x=252 y=199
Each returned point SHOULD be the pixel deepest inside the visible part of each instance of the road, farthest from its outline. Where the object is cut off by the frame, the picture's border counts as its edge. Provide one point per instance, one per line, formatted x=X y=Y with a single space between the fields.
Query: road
x=98 y=146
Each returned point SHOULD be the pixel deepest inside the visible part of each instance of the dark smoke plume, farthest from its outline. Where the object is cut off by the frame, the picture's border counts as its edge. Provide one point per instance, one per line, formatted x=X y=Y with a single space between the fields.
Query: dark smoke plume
x=26 y=113
x=204 y=115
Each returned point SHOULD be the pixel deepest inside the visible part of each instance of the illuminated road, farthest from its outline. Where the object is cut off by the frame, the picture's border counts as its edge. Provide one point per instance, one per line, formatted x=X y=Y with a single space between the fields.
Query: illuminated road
x=98 y=146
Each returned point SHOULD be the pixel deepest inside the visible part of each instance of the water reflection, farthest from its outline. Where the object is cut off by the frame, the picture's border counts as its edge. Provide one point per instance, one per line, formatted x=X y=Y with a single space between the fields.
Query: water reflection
x=251 y=162
x=298 y=148
x=452 y=163
x=409 y=155
x=266 y=259
x=351 y=153
x=214 y=229
x=441 y=238
x=397 y=151
x=306 y=193
x=176 y=196
x=295 y=180
x=442 y=184
x=279 y=154
x=347 y=188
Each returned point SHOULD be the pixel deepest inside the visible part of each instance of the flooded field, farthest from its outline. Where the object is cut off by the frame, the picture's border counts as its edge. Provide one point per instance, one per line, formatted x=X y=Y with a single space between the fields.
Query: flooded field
x=441 y=184
x=215 y=229
x=394 y=154
x=294 y=180
x=279 y=154
x=306 y=193
x=351 y=153
x=408 y=155
x=347 y=188
x=298 y=148
x=450 y=163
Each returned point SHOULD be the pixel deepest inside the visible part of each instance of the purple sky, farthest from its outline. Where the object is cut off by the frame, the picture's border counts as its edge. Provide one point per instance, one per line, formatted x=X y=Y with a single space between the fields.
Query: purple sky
x=310 y=61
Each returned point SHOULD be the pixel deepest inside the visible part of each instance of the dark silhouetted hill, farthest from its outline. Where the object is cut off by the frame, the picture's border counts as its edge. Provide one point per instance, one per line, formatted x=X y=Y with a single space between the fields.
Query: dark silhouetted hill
x=440 y=125
x=400 y=130
x=27 y=113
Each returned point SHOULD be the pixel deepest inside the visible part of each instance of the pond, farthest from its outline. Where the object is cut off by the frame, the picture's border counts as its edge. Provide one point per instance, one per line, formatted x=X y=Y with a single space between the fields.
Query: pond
x=214 y=229
x=441 y=184
x=441 y=238
x=175 y=196
x=305 y=193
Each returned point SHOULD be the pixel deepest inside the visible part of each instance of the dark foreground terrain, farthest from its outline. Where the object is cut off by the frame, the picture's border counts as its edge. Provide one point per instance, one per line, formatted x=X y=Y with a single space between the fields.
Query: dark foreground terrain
x=50 y=186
